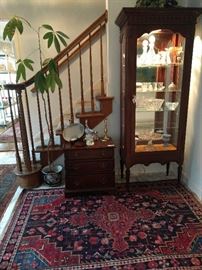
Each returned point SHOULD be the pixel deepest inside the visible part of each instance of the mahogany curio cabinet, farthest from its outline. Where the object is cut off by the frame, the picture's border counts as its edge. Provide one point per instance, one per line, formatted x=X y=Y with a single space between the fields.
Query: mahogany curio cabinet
x=155 y=57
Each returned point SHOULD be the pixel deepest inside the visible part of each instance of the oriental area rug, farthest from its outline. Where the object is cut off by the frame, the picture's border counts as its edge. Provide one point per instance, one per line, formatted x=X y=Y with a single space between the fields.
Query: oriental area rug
x=154 y=226
x=8 y=186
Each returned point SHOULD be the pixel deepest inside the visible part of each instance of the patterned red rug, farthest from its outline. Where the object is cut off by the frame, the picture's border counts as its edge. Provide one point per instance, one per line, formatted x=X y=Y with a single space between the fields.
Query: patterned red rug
x=8 y=186
x=153 y=227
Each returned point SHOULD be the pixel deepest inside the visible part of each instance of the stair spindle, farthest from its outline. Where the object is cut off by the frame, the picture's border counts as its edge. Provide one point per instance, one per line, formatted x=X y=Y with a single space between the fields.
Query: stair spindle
x=70 y=91
x=91 y=74
x=61 y=111
x=40 y=120
x=18 y=159
x=30 y=127
x=52 y=141
x=81 y=80
x=101 y=64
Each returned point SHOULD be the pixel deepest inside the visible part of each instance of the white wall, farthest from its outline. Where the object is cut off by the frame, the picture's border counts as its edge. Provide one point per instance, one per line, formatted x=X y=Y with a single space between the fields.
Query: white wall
x=192 y=171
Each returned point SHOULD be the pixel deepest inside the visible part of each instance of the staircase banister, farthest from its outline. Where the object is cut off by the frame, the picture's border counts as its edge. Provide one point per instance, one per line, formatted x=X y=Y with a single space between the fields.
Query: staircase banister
x=19 y=86
x=83 y=35
x=75 y=52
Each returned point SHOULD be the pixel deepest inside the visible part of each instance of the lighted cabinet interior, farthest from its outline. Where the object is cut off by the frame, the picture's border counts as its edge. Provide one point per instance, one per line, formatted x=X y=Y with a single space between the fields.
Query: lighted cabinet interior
x=157 y=96
x=156 y=55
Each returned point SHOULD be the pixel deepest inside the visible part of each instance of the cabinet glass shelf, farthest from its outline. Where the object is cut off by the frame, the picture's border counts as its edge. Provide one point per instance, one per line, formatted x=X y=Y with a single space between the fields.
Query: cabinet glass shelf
x=7 y=71
x=155 y=147
x=160 y=65
x=147 y=111
x=162 y=91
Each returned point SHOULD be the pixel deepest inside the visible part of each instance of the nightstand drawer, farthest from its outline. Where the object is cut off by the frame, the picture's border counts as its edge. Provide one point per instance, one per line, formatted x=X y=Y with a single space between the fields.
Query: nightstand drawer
x=90 y=181
x=90 y=153
x=89 y=166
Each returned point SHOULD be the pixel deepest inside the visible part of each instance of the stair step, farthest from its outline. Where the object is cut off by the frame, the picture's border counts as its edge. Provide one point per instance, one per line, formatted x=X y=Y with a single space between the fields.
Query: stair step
x=89 y=114
x=104 y=98
x=51 y=148
x=96 y=117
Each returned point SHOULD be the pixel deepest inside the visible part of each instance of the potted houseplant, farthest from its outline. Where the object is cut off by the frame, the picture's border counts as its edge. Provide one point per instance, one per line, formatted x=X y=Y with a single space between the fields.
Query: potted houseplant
x=44 y=81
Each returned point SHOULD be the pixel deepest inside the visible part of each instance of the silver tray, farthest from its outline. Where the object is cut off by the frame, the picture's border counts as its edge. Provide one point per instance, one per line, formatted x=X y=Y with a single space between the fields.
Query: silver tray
x=73 y=132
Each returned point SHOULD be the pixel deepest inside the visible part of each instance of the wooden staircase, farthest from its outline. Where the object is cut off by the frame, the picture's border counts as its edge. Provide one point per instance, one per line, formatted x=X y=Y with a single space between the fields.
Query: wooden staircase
x=96 y=117
x=74 y=52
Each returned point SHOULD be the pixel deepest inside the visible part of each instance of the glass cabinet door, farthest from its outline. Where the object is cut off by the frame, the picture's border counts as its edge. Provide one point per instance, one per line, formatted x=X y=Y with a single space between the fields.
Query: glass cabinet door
x=157 y=94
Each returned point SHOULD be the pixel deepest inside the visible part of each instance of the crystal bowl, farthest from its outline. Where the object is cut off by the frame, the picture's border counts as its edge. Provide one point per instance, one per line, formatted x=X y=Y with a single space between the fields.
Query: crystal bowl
x=171 y=106
x=153 y=104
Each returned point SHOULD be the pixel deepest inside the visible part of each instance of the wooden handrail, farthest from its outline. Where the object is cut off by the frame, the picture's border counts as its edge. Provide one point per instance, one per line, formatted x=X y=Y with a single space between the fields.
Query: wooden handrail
x=84 y=35
x=83 y=45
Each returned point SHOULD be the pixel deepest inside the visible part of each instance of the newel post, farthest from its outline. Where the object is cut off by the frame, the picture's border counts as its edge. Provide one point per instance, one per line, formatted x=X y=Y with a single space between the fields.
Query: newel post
x=23 y=131
x=30 y=175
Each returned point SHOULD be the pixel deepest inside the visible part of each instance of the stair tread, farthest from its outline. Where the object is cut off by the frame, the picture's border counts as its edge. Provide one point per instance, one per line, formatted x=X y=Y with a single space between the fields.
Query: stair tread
x=89 y=114
x=51 y=148
x=104 y=97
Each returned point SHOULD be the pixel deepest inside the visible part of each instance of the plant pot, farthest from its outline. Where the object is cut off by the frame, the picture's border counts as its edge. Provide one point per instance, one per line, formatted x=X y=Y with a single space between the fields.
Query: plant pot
x=52 y=175
x=29 y=179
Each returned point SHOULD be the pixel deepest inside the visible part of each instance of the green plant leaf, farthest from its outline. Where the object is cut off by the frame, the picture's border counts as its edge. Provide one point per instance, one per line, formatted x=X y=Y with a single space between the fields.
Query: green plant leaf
x=52 y=66
x=57 y=44
x=58 y=80
x=28 y=63
x=46 y=61
x=22 y=66
x=19 y=26
x=10 y=28
x=47 y=26
x=49 y=36
x=62 y=40
x=53 y=75
x=51 y=82
x=40 y=82
x=48 y=80
x=50 y=41
x=62 y=34
x=21 y=72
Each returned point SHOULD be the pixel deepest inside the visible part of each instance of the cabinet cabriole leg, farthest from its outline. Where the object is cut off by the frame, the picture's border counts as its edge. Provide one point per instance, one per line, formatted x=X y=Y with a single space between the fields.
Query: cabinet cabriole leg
x=121 y=166
x=179 y=173
x=167 y=168
x=127 y=178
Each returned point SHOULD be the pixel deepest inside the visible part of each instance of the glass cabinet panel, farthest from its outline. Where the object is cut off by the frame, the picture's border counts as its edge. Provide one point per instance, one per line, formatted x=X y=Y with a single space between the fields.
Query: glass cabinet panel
x=157 y=94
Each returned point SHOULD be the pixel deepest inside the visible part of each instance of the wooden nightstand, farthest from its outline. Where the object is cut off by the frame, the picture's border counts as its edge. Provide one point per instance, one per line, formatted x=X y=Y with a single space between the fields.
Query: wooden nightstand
x=89 y=168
